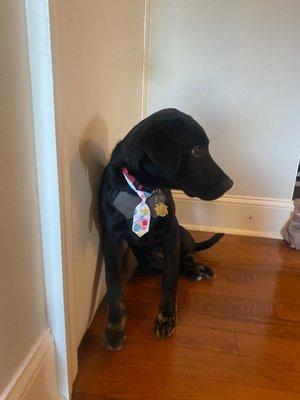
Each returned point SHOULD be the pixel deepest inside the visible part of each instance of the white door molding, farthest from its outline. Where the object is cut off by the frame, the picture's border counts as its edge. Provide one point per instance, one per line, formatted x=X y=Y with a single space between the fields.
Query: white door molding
x=53 y=204
x=239 y=215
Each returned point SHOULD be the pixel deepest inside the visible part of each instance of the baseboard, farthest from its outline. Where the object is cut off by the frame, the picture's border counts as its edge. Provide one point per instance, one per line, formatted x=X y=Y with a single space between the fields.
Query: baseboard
x=35 y=379
x=240 y=215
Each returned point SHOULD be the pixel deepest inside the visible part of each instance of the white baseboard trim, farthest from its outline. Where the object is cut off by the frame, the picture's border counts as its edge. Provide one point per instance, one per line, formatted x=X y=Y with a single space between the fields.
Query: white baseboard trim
x=238 y=215
x=35 y=379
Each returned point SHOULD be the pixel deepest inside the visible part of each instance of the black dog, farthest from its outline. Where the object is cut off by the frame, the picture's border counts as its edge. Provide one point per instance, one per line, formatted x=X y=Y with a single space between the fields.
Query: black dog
x=168 y=150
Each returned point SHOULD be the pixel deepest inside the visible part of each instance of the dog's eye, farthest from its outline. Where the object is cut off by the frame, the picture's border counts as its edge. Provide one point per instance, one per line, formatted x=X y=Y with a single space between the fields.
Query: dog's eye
x=197 y=151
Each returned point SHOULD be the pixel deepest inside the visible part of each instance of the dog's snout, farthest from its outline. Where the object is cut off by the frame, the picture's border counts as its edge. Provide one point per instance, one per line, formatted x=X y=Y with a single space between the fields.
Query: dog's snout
x=227 y=184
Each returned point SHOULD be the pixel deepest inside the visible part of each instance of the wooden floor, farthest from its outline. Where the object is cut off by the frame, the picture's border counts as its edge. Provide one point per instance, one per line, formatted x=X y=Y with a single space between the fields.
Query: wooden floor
x=238 y=337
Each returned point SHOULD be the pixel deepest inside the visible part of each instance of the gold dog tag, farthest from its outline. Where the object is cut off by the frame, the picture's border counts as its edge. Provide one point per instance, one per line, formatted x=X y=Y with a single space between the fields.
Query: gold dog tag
x=161 y=210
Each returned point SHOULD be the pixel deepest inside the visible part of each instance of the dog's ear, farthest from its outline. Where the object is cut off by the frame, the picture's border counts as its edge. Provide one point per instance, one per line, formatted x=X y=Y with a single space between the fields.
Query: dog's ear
x=161 y=144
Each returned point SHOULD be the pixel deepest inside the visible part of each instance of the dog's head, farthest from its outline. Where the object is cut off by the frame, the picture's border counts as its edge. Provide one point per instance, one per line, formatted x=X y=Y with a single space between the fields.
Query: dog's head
x=176 y=147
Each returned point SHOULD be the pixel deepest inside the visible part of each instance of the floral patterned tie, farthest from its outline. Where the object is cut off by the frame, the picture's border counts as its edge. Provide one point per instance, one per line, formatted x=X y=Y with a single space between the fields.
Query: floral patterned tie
x=142 y=214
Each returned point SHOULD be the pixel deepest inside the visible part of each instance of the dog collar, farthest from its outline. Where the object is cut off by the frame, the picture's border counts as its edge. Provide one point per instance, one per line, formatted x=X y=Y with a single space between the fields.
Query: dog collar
x=136 y=183
x=142 y=214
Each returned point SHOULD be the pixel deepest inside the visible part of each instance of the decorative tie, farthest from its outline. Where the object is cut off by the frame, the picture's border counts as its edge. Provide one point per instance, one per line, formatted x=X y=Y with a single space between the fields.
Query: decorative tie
x=142 y=214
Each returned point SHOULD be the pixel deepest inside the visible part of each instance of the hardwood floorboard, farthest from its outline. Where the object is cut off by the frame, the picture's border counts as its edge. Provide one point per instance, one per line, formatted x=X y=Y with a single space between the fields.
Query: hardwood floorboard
x=238 y=337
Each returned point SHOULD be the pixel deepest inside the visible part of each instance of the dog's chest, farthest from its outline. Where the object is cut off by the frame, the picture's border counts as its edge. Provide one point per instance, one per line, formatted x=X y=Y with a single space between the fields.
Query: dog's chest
x=126 y=203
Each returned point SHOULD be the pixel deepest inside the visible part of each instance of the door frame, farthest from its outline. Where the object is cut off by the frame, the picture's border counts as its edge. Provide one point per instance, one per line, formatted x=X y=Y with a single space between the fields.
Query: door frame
x=54 y=193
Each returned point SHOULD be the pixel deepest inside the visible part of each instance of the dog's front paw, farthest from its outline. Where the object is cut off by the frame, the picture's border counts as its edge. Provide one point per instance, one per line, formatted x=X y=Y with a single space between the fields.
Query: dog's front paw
x=115 y=336
x=164 y=327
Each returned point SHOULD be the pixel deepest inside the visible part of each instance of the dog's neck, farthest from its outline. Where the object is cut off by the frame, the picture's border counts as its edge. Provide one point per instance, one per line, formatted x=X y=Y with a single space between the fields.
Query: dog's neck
x=150 y=175
x=137 y=183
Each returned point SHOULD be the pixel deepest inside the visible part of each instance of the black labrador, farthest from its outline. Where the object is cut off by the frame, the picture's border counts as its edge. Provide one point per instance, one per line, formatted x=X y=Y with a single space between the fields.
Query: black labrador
x=168 y=150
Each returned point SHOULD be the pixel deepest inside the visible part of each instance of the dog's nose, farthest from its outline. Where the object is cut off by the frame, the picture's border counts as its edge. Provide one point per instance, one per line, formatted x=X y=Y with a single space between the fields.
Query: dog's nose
x=227 y=184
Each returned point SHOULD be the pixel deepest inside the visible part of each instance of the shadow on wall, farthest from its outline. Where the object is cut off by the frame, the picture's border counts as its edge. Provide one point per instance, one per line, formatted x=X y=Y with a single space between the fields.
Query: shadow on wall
x=94 y=161
x=92 y=147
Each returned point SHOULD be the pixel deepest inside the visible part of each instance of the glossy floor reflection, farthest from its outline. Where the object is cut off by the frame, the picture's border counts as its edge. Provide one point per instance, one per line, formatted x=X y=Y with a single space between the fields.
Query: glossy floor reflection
x=238 y=337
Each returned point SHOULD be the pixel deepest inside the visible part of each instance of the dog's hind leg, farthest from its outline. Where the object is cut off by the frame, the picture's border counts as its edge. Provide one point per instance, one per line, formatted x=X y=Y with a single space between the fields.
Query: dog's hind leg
x=189 y=266
x=115 y=328
x=150 y=259
x=193 y=270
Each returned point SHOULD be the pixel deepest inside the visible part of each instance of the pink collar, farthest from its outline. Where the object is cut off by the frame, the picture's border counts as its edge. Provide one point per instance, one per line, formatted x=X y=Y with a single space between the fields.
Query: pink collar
x=132 y=179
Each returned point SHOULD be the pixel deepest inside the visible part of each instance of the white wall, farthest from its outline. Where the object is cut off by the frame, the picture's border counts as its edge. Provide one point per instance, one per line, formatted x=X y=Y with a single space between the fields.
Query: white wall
x=234 y=65
x=97 y=51
x=22 y=305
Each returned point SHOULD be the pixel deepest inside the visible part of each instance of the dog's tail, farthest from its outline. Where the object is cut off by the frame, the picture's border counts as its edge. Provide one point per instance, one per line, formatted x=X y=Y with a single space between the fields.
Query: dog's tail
x=208 y=243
